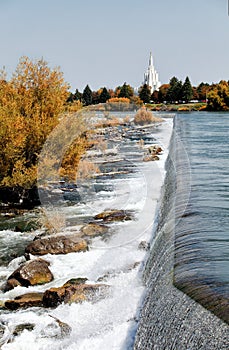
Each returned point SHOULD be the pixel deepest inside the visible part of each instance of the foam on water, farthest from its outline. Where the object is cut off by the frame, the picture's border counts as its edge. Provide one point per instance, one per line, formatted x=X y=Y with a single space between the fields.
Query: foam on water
x=109 y=323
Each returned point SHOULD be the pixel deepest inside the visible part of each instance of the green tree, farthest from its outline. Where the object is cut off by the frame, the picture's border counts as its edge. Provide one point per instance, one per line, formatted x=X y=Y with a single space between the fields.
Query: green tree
x=104 y=96
x=175 y=90
x=77 y=95
x=87 y=96
x=71 y=97
x=126 y=91
x=145 y=93
x=186 y=91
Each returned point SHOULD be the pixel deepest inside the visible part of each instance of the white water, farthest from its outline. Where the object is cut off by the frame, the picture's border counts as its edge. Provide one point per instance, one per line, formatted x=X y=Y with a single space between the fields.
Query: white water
x=108 y=323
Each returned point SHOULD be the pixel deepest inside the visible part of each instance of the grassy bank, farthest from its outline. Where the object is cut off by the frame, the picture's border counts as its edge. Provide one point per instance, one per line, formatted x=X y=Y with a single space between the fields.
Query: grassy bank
x=183 y=107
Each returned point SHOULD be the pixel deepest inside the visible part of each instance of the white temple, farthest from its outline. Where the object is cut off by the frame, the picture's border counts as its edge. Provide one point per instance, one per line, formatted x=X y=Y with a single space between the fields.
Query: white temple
x=151 y=76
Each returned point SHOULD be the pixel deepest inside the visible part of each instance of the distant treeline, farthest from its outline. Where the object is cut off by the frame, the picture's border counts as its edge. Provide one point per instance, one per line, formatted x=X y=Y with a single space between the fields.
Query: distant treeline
x=215 y=95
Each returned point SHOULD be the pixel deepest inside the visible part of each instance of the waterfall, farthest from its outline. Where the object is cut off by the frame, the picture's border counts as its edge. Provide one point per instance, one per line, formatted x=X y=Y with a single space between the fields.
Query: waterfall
x=169 y=318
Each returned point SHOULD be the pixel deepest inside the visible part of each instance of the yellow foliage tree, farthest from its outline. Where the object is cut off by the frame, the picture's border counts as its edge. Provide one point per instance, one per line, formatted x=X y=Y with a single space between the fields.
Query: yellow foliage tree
x=30 y=105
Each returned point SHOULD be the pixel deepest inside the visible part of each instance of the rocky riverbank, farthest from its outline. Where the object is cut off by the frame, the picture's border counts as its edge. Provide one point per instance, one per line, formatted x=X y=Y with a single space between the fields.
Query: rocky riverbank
x=91 y=265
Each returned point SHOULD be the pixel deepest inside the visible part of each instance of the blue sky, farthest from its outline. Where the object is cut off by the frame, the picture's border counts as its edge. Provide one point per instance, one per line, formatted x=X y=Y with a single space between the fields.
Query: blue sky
x=105 y=43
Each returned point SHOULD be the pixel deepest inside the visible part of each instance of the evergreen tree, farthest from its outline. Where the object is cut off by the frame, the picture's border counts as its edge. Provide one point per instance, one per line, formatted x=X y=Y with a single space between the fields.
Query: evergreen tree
x=145 y=93
x=187 y=92
x=87 y=96
x=175 y=90
x=70 y=97
x=77 y=95
x=126 y=91
x=104 y=96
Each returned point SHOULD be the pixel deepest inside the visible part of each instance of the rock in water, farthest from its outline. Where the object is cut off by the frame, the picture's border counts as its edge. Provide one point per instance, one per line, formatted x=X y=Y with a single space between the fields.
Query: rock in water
x=150 y=158
x=57 y=245
x=155 y=149
x=29 y=274
x=72 y=292
x=114 y=215
x=94 y=229
x=24 y=301
x=21 y=327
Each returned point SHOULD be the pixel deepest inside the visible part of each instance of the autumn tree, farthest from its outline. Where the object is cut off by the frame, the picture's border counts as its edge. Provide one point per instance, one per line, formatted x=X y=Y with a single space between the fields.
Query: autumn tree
x=30 y=105
x=155 y=96
x=202 y=90
x=162 y=93
x=95 y=97
x=218 y=97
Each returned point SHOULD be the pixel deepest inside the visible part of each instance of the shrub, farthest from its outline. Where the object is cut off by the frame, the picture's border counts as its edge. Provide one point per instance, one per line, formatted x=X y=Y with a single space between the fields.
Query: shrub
x=143 y=116
x=51 y=221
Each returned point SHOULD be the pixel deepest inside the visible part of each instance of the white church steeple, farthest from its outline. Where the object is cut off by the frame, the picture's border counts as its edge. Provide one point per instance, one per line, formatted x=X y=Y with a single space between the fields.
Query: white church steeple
x=151 y=59
x=151 y=76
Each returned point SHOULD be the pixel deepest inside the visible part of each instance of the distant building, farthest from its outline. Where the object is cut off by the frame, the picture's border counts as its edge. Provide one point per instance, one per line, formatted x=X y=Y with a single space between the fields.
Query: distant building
x=151 y=76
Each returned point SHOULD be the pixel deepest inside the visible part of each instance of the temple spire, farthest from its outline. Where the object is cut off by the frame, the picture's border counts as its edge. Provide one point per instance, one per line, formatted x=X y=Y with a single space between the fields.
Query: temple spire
x=150 y=59
x=151 y=76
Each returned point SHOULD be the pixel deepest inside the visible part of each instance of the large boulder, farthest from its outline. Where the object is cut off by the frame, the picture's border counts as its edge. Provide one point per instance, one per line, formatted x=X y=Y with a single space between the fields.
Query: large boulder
x=29 y=274
x=114 y=215
x=57 y=245
x=25 y=300
x=73 y=292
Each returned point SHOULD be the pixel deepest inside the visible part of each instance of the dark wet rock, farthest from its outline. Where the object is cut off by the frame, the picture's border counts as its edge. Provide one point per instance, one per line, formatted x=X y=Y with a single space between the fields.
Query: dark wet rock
x=19 y=197
x=21 y=327
x=114 y=215
x=29 y=274
x=57 y=245
x=25 y=301
x=73 y=293
x=10 y=284
x=143 y=245
x=75 y=281
x=94 y=229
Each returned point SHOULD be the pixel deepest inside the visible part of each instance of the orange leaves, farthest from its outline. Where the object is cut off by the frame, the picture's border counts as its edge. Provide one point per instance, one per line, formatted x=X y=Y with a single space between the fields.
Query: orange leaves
x=119 y=99
x=30 y=105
